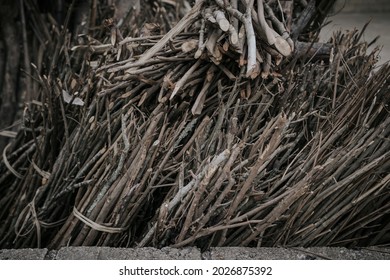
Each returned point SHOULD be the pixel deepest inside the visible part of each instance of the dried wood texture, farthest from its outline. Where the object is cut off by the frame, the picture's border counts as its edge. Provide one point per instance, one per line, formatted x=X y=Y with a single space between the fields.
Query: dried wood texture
x=173 y=139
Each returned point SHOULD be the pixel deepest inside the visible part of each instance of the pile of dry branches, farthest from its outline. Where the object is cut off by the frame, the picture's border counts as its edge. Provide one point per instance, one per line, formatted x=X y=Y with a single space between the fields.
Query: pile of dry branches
x=232 y=127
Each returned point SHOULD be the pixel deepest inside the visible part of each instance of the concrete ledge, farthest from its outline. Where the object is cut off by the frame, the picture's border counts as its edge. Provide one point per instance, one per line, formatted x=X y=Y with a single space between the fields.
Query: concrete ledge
x=105 y=253
x=78 y=253
x=192 y=253
x=320 y=253
x=23 y=254
x=239 y=253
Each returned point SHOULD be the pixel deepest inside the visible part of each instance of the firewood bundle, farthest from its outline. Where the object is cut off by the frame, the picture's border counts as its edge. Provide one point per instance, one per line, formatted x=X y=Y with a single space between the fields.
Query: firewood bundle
x=232 y=126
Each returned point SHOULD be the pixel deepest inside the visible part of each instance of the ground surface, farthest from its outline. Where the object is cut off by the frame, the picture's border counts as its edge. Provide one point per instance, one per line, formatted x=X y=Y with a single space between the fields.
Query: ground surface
x=191 y=253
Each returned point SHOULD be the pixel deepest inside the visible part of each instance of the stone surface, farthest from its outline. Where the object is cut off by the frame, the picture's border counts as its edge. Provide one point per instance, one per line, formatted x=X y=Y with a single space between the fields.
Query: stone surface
x=78 y=253
x=370 y=253
x=240 y=253
x=315 y=253
x=190 y=253
x=23 y=254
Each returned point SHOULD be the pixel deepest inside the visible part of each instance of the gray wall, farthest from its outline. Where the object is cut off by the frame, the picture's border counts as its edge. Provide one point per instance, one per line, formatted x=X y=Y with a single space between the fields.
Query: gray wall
x=359 y=6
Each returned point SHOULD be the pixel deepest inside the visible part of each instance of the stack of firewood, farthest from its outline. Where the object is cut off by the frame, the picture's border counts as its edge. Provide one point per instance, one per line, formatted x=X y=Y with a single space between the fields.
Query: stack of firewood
x=230 y=125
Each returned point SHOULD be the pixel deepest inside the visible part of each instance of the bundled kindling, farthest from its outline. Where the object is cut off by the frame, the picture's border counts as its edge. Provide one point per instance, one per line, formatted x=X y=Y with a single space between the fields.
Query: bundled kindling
x=230 y=125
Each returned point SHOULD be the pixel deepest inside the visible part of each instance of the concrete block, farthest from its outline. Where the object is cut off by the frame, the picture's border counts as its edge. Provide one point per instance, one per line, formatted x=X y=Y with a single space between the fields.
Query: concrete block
x=192 y=253
x=78 y=253
x=314 y=253
x=370 y=253
x=241 y=253
x=166 y=253
x=23 y=254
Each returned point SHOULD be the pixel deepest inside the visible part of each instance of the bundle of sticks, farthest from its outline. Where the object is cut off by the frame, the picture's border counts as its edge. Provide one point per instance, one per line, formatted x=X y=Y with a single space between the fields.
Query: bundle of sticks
x=231 y=127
